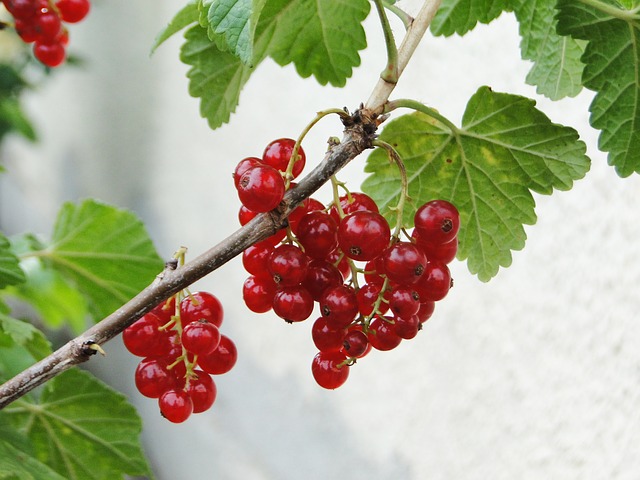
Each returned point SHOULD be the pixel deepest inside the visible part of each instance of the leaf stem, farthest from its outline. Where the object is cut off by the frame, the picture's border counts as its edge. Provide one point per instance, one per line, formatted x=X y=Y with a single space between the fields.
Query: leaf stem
x=621 y=14
x=406 y=19
x=404 y=184
x=421 y=107
x=390 y=72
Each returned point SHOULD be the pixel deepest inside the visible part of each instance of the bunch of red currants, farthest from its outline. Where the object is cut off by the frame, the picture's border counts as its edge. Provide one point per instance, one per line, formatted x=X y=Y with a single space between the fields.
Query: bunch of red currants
x=373 y=290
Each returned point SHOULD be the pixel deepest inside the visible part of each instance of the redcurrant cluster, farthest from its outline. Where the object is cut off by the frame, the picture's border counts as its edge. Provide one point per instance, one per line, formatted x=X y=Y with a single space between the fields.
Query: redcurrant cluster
x=182 y=347
x=41 y=22
x=373 y=289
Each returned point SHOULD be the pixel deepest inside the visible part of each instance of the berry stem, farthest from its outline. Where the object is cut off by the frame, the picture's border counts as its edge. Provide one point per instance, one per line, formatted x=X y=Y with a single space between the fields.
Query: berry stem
x=420 y=107
x=404 y=184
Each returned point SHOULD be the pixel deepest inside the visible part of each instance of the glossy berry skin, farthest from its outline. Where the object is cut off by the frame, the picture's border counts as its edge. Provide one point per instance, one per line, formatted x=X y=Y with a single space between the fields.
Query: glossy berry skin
x=435 y=283
x=382 y=335
x=73 y=11
x=201 y=306
x=437 y=221
x=426 y=310
x=355 y=343
x=258 y=293
x=144 y=339
x=317 y=233
x=321 y=275
x=367 y=296
x=255 y=259
x=50 y=54
x=202 y=391
x=442 y=252
x=288 y=265
x=278 y=153
x=152 y=378
x=404 y=301
x=200 y=337
x=325 y=338
x=261 y=188
x=339 y=305
x=363 y=235
x=328 y=371
x=404 y=263
x=352 y=203
x=222 y=359
x=175 y=405
x=293 y=304
x=244 y=165
x=407 y=327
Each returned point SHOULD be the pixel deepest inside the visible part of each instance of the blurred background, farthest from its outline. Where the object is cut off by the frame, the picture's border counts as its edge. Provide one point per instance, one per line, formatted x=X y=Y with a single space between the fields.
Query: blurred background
x=534 y=375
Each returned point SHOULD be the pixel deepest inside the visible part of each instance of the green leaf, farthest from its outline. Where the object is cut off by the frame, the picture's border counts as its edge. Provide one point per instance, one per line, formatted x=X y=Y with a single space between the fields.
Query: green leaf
x=612 y=70
x=320 y=38
x=23 y=334
x=12 y=118
x=557 y=68
x=10 y=271
x=505 y=149
x=461 y=16
x=185 y=17
x=20 y=465
x=216 y=77
x=232 y=25
x=82 y=429
x=106 y=252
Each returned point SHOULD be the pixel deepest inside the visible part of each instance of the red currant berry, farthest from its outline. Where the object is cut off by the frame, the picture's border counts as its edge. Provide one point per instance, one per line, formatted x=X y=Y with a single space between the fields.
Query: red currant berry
x=175 y=405
x=317 y=234
x=50 y=54
x=144 y=339
x=202 y=390
x=261 y=188
x=355 y=343
x=307 y=206
x=255 y=259
x=437 y=221
x=258 y=293
x=339 y=305
x=288 y=265
x=363 y=235
x=403 y=301
x=404 y=263
x=278 y=153
x=435 y=283
x=200 y=337
x=352 y=203
x=382 y=335
x=321 y=275
x=222 y=359
x=152 y=377
x=367 y=296
x=244 y=165
x=425 y=311
x=325 y=338
x=201 y=306
x=341 y=261
x=329 y=369
x=441 y=252
x=72 y=11
x=407 y=327
x=165 y=310
x=293 y=304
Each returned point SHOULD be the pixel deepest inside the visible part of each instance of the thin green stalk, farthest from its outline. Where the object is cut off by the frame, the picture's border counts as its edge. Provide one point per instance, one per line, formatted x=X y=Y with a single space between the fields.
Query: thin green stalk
x=406 y=19
x=619 y=13
x=390 y=73
x=404 y=184
x=420 y=107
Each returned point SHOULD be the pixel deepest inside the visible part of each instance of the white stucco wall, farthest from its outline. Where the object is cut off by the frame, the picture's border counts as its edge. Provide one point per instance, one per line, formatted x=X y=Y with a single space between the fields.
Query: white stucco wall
x=535 y=375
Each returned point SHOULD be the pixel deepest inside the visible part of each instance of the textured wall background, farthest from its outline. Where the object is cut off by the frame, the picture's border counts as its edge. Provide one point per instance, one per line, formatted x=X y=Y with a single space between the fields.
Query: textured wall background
x=535 y=375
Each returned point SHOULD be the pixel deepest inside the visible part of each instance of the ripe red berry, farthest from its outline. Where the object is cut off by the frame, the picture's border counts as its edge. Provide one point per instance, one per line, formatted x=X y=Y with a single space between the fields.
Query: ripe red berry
x=244 y=165
x=435 y=283
x=144 y=339
x=325 y=338
x=288 y=265
x=152 y=377
x=255 y=259
x=437 y=221
x=329 y=369
x=222 y=359
x=363 y=235
x=321 y=275
x=293 y=304
x=426 y=310
x=200 y=337
x=50 y=54
x=442 y=252
x=382 y=335
x=175 y=405
x=367 y=296
x=355 y=343
x=339 y=305
x=352 y=203
x=72 y=11
x=261 y=188
x=406 y=327
x=201 y=306
x=317 y=233
x=202 y=391
x=404 y=301
x=258 y=293
x=404 y=263
x=278 y=153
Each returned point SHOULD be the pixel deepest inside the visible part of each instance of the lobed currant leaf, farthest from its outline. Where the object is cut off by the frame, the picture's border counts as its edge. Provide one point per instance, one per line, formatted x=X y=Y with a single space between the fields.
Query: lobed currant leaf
x=81 y=428
x=186 y=16
x=612 y=59
x=18 y=332
x=13 y=460
x=557 y=68
x=505 y=149
x=461 y=16
x=106 y=252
